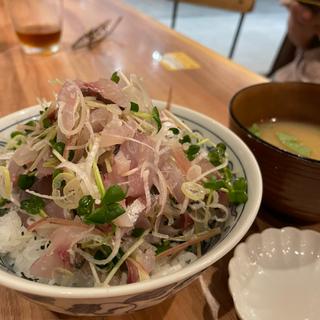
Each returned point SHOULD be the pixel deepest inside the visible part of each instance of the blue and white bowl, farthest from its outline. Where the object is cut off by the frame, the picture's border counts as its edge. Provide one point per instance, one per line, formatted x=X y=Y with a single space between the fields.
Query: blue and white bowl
x=131 y=297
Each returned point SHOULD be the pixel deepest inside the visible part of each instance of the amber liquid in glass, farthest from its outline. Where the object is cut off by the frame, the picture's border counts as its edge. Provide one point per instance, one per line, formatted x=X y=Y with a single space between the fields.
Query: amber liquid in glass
x=40 y=36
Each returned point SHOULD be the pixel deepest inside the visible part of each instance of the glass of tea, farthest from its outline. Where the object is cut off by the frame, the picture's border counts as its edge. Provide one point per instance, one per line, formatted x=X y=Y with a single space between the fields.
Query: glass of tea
x=38 y=24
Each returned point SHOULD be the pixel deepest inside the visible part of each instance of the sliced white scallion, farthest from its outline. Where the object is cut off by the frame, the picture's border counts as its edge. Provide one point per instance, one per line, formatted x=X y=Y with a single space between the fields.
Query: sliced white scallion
x=115 y=250
x=194 y=191
x=221 y=166
x=98 y=179
x=5 y=183
x=134 y=247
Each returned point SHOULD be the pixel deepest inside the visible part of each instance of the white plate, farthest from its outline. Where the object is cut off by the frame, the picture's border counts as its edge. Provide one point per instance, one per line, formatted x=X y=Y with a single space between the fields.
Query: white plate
x=275 y=275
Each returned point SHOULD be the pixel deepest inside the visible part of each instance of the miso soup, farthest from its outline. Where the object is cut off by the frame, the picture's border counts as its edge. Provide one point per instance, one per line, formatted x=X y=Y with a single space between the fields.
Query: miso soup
x=296 y=137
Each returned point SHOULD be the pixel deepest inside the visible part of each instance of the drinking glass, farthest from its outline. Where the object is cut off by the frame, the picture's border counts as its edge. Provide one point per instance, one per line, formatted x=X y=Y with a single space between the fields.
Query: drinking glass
x=37 y=23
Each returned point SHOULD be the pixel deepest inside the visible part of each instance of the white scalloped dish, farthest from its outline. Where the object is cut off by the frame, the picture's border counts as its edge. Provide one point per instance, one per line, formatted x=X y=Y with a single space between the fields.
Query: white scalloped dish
x=275 y=275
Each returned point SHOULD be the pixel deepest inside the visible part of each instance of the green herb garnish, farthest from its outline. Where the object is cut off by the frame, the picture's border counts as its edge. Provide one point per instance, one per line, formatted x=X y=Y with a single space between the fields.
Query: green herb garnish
x=115 y=78
x=56 y=172
x=16 y=133
x=192 y=151
x=109 y=209
x=293 y=144
x=134 y=107
x=236 y=189
x=85 y=205
x=26 y=181
x=255 y=130
x=105 y=214
x=137 y=232
x=216 y=155
x=113 y=194
x=103 y=253
x=46 y=123
x=214 y=184
x=163 y=246
x=34 y=205
x=238 y=193
x=185 y=139
x=156 y=117
x=58 y=146
x=175 y=131
x=31 y=123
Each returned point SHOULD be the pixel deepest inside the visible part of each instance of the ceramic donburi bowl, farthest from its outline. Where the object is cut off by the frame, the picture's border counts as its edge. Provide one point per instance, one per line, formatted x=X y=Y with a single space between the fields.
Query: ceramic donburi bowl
x=127 y=298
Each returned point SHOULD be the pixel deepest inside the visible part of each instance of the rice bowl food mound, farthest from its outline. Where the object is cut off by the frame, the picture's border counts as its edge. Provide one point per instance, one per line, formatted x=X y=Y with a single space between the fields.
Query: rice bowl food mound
x=103 y=189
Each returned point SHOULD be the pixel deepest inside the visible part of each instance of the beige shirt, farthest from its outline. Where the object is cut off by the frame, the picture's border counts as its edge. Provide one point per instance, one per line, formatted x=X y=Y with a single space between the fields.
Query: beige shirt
x=305 y=67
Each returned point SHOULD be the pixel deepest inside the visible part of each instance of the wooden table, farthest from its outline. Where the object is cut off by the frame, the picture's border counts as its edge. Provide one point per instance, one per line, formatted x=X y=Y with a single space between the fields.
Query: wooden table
x=207 y=89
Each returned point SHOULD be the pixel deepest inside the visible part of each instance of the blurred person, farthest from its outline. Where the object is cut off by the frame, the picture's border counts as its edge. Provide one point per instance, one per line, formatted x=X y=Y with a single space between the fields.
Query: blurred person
x=304 y=33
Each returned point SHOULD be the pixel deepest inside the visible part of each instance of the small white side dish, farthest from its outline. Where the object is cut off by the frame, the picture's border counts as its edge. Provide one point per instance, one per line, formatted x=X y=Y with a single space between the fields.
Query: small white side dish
x=276 y=275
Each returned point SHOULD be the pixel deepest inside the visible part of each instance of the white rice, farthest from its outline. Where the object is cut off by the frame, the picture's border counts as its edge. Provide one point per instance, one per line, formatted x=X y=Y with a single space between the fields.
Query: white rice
x=20 y=245
x=183 y=259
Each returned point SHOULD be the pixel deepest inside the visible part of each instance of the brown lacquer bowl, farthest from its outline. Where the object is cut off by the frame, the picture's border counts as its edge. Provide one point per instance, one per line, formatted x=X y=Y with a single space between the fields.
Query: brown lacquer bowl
x=291 y=183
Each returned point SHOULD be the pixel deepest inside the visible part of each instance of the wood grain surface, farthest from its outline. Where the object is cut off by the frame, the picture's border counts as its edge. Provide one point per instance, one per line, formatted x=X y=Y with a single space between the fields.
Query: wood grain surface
x=233 y=5
x=130 y=48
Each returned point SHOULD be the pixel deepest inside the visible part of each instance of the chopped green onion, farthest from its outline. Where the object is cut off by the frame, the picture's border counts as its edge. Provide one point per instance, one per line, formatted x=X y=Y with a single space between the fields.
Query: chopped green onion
x=16 y=133
x=85 y=205
x=255 y=130
x=156 y=117
x=113 y=194
x=26 y=181
x=238 y=191
x=59 y=147
x=105 y=214
x=293 y=144
x=34 y=205
x=237 y=197
x=134 y=107
x=214 y=184
x=115 y=78
x=185 y=139
x=163 y=246
x=192 y=151
x=46 y=123
x=31 y=123
x=175 y=131
x=227 y=174
x=217 y=154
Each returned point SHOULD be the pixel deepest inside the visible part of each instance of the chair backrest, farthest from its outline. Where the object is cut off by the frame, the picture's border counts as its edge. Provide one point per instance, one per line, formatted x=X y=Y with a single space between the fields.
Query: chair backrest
x=233 y=5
